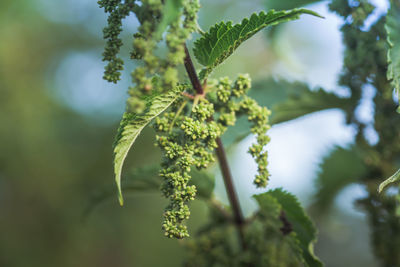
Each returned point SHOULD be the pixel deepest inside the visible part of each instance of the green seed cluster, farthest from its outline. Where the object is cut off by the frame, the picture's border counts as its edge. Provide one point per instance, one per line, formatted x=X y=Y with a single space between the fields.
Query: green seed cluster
x=117 y=11
x=232 y=101
x=186 y=142
x=145 y=43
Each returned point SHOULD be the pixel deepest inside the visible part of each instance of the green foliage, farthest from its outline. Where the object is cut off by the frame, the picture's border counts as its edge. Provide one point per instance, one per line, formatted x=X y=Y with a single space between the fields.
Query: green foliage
x=300 y=223
x=394 y=178
x=393 y=37
x=303 y=102
x=224 y=38
x=216 y=244
x=336 y=173
x=281 y=5
x=131 y=126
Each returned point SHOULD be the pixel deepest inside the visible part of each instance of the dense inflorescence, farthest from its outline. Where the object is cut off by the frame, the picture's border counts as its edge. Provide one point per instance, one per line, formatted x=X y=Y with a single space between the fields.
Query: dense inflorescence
x=234 y=102
x=186 y=141
x=365 y=66
x=187 y=137
x=145 y=44
x=188 y=130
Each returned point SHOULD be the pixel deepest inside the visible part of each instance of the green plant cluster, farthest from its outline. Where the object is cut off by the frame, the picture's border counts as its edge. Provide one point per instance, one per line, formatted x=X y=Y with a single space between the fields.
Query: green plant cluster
x=231 y=101
x=186 y=141
x=152 y=15
x=188 y=138
x=189 y=121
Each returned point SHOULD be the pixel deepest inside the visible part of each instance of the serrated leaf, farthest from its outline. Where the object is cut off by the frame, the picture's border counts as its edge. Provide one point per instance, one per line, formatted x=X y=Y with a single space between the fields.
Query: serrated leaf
x=304 y=101
x=224 y=38
x=394 y=178
x=288 y=4
x=131 y=126
x=336 y=173
x=171 y=12
x=301 y=223
x=393 y=38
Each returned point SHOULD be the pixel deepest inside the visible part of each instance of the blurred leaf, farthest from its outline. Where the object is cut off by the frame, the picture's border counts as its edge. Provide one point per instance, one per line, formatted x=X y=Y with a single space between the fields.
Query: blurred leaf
x=288 y=4
x=222 y=39
x=287 y=100
x=393 y=37
x=171 y=11
x=131 y=126
x=147 y=179
x=304 y=102
x=341 y=168
x=394 y=178
x=204 y=182
x=301 y=223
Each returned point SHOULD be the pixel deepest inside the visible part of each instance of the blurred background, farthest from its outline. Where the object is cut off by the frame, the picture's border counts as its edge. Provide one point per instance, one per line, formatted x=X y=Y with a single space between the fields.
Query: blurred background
x=58 y=121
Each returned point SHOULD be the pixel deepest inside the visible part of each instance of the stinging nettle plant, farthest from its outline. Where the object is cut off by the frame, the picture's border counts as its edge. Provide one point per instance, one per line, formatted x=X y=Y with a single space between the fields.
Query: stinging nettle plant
x=190 y=116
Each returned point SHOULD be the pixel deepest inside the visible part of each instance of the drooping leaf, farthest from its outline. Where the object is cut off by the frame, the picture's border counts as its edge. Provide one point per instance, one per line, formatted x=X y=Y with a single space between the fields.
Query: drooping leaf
x=393 y=37
x=223 y=38
x=288 y=4
x=394 y=178
x=304 y=101
x=336 y=173
x=171 y=11
x=301 y=223
x=131 y=126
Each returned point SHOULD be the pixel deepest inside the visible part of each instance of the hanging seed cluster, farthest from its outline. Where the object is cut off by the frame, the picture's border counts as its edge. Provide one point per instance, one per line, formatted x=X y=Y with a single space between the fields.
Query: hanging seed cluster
x=233 y=102
x=145 y=43
x=186 y=142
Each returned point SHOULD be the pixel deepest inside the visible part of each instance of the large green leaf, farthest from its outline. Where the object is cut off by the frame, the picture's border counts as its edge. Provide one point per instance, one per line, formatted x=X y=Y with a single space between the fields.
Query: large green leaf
x=393 y=37
x=301 y=223
x=394 y=178
x=131 y=126
x=223 y=38
x=336 y=173
x=304 y=101
x=288 y=4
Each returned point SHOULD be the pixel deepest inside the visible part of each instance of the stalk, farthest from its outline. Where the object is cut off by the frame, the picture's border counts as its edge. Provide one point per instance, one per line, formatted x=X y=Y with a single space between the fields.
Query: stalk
x=238 y=218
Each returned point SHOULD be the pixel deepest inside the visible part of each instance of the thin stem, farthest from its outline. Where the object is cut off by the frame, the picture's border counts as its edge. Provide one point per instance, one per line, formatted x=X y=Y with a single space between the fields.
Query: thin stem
x=223 y=162
x=191 y=71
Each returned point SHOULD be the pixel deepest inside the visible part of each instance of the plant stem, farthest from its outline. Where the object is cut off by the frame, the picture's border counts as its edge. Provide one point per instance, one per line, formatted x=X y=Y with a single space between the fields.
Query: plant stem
x=223 y=162
x=191 y=71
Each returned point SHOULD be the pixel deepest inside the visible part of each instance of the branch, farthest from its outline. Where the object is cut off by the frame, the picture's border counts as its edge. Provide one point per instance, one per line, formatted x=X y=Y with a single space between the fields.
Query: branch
x=223 y=162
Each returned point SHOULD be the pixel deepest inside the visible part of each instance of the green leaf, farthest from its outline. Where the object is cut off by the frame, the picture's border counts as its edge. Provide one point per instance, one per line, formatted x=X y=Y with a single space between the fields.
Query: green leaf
x=287 y=100
x=393 y=37
x=301 y=223
x=171 y=12
x=394 y=178
x=288 y=4
x=204 y=182
x=304 y=101
x=139 y=180
x=131 y=126
x=222 y=39
x=336 y=173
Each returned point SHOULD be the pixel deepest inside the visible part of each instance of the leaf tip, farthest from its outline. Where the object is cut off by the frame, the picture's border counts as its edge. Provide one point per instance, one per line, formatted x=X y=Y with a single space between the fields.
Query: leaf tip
x=120 y=198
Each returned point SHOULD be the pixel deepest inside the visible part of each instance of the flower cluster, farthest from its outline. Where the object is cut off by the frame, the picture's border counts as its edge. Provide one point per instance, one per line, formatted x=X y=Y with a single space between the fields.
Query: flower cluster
x=150 y=15
x=186 y=141
x=117 y=11
x=232 y=101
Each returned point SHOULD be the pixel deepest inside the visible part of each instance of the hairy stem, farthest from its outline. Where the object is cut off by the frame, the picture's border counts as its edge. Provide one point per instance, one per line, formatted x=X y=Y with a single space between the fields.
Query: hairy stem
x=223 y=162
